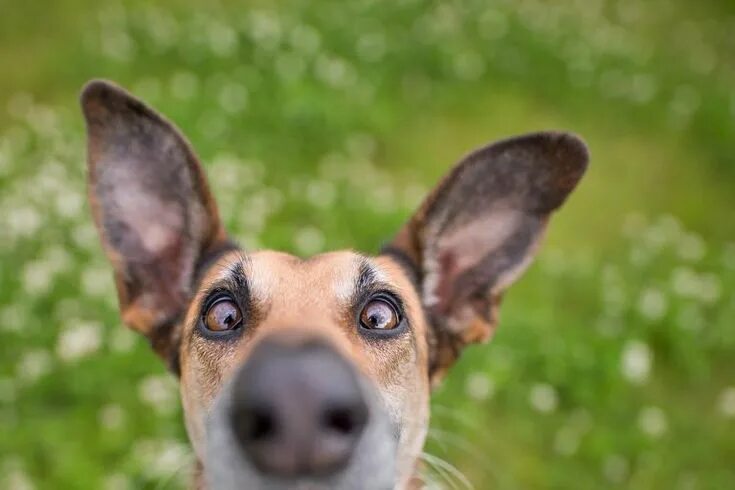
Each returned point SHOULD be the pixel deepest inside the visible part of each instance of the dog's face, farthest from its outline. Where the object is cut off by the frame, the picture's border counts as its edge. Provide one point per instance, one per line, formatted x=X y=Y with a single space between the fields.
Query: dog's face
x=311 y=373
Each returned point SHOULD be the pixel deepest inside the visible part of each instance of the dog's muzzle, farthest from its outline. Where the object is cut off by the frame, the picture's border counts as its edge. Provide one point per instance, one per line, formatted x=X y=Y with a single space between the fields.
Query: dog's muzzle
x=297 y=410
x=297 y=415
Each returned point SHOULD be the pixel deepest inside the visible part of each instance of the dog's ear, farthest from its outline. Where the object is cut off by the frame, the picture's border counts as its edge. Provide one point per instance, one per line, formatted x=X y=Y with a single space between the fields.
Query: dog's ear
x=152 y=207
x=478 y=231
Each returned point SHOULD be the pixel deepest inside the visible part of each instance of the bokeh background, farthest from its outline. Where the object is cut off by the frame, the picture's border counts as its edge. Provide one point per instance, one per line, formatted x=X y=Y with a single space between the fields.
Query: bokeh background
x=321 y=125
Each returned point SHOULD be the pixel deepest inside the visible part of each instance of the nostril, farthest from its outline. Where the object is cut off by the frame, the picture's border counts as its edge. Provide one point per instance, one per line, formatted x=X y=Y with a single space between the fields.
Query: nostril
x=345 y=420
x=254 y=424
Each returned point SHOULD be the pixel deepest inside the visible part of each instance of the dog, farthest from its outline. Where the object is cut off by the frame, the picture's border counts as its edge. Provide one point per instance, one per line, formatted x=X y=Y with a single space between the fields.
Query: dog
x=310 y=373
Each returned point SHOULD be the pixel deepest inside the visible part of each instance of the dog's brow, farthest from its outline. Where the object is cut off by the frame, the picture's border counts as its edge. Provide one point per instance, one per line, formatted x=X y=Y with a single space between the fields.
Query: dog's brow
x=366 y=276
x=214 y=258
x=371 y=278
x=233 y=276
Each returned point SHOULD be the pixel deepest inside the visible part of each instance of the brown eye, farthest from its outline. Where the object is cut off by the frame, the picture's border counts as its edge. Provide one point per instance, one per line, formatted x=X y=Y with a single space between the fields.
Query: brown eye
x=379 y=314
x=222 y=316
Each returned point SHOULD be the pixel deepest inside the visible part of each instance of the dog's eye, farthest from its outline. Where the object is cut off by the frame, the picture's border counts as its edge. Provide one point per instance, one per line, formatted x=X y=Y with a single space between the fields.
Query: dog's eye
x=379 y=314
x=223 y=315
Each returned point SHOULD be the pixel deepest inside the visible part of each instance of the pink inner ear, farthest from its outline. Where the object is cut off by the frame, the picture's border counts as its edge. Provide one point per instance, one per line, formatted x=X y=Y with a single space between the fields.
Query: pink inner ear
x=158 y=224
x=464 y=247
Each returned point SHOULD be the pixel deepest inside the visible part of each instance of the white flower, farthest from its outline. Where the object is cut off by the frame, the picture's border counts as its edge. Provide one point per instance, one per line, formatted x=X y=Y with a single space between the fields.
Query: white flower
x=123 y=340
x=69 y=204
x=615 y=468
x=222 y=39
x=643 y=88
x=22 y=221
x=37 y=277
x=305 y=38
x=309 y=241
x=684 y=282
x=371 y=47
x=469 y=65
x=13 y=318
x=566 y=441
x=184 y=85
x=726 y=403
x=335 y=72
x=233 y=97
x=652 y=304
x=78 y=341
x=636 y=361
x=383 y=198
x=111 y=417
x=265 y=29
x=85 y=236
x=652 y=421
x=58 y=259
x=159 y=392
x=479 y=386
x=691 y=247
x=161 y=458
x=321 y=193
x=117 y=481
x=117 y=44
x=33 y=365
x=413 y=194
x=17 y=479
x=688 y=284
x=162 y=28
x=543 y=398
x=97 y=281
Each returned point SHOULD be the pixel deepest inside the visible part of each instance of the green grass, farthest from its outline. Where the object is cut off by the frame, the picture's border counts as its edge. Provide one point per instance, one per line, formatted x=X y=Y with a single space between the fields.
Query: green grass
x=341 y=115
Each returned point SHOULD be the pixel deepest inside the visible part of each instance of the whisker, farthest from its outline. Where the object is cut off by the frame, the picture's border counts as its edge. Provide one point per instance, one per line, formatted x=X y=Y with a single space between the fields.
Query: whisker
x=449 y=468
x=446 y=438
x=166 y=482
x=440 y=473
x=427 y=481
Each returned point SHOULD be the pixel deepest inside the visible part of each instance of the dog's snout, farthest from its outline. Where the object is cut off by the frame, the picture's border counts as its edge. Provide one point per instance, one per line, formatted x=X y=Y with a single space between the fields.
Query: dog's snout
x=298 y=409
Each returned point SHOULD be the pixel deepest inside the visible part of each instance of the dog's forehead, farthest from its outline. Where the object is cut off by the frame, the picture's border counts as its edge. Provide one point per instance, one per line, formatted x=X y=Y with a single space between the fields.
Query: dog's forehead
x=274 y=275
x=279 y=277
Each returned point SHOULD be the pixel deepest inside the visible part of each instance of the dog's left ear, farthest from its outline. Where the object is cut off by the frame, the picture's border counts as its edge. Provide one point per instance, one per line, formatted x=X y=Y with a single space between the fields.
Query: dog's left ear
x=478 y=231
x=152 y=207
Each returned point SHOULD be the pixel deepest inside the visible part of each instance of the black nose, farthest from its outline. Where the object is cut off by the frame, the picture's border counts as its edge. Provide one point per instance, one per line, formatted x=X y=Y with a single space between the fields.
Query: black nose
x=298 y=410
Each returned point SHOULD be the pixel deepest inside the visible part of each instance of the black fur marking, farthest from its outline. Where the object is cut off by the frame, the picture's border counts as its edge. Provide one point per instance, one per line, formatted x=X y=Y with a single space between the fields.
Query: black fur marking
x=166 y=337
x=407 y=264
x=209 y=258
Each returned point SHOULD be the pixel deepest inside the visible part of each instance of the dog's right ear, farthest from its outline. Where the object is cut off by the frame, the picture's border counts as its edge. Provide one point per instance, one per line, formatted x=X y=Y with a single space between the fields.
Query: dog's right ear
x=152 y=207
x=479 y=229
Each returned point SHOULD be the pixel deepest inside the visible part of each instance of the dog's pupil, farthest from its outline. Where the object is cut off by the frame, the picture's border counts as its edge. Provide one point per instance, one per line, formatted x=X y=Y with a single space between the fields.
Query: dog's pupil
x=223 y=316
x=379 y=315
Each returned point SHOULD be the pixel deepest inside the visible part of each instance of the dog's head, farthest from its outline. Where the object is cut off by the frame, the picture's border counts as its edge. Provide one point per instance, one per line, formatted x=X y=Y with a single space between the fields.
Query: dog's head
x=311 y=373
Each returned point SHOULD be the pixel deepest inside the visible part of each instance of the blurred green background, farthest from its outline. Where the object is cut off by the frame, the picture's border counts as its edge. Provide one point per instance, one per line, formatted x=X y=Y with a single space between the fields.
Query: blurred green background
x=321 y=125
